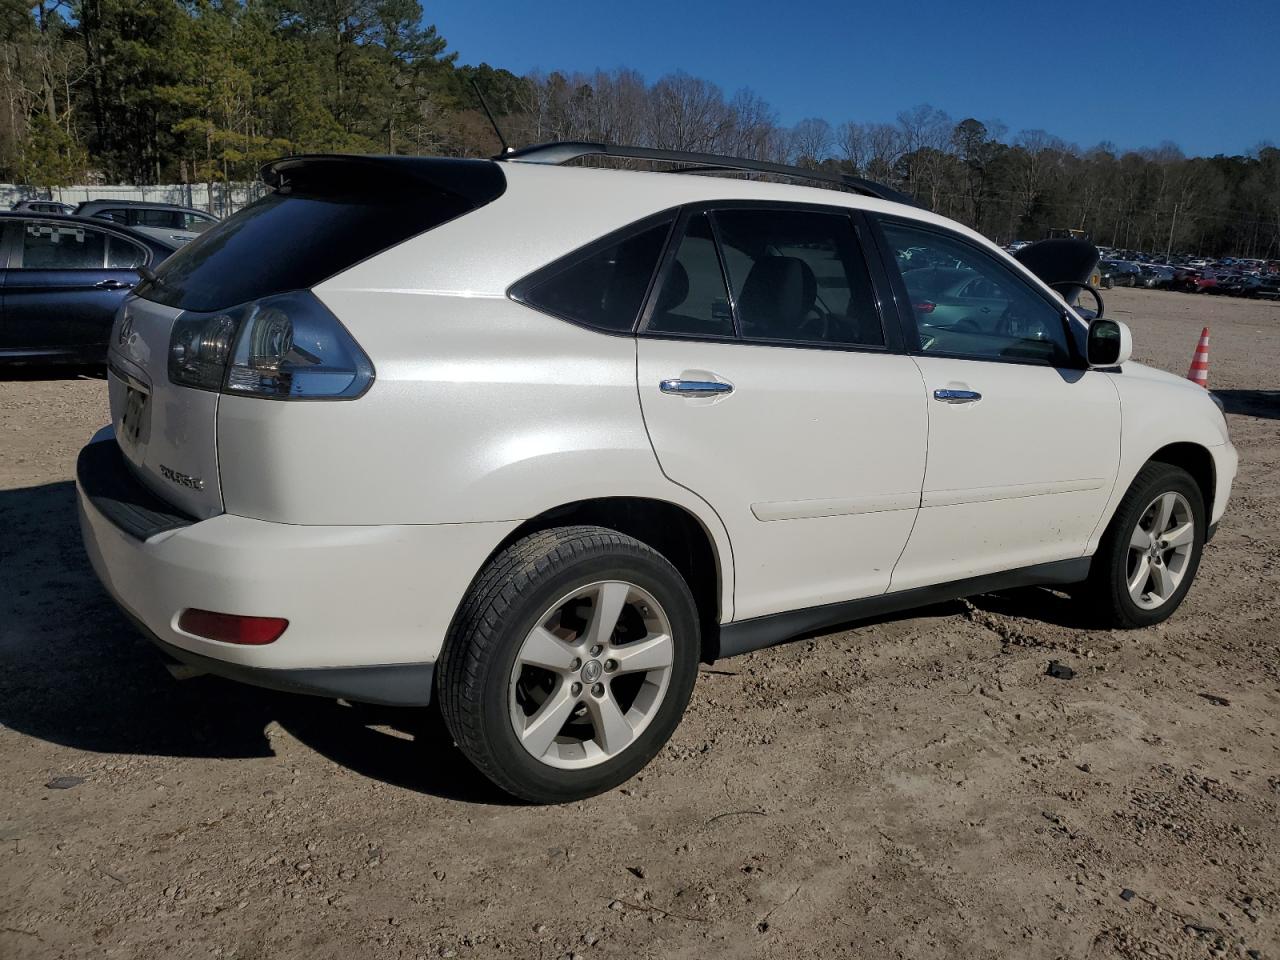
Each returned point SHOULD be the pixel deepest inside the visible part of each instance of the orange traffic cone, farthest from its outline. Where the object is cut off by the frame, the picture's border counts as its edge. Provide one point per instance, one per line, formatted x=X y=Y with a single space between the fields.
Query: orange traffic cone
x=1199 y=372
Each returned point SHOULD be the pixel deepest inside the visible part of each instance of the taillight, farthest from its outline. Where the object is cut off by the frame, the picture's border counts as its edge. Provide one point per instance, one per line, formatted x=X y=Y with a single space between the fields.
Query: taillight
x=283 y=347
x=231 y=627
x=924 y=306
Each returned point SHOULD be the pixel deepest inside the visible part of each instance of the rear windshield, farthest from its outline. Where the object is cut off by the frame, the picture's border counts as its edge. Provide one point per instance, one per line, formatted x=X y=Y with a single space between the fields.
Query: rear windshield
x=295 y=238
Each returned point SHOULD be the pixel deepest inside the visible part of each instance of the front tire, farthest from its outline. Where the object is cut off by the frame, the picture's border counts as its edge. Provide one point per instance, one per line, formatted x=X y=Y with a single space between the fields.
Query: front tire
x=1150 y=553
x=570 y=663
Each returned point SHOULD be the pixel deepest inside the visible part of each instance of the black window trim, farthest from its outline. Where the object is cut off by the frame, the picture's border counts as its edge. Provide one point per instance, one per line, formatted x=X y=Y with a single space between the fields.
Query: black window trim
x=890 y=319
x=905 y=312
x=522 y=289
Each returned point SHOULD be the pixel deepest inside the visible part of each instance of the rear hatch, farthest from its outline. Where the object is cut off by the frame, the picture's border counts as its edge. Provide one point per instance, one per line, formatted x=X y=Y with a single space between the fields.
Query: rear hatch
x=324 y=215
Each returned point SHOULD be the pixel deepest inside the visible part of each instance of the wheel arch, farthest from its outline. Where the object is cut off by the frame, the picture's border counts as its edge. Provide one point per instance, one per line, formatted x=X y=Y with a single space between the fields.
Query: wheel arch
x=673 y=530
x=1197 y=461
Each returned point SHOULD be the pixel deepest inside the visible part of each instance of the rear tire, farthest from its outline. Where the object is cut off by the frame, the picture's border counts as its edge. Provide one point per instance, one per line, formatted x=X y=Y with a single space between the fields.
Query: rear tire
x=1150 y=553
x=569 y=663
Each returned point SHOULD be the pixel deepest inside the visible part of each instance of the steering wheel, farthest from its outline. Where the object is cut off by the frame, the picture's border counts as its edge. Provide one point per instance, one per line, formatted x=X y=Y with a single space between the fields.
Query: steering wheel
x=1088 y=287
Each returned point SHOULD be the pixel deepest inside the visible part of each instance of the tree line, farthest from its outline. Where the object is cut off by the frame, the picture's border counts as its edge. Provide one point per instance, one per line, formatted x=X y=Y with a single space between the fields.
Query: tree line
x=205 y=91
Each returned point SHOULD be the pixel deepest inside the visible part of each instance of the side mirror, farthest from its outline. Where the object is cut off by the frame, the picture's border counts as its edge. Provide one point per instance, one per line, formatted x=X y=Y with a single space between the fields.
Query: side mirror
x=1110 y=343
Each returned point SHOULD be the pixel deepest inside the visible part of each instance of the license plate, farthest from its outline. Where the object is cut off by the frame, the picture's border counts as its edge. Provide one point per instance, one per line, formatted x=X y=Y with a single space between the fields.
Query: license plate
x=134 y=417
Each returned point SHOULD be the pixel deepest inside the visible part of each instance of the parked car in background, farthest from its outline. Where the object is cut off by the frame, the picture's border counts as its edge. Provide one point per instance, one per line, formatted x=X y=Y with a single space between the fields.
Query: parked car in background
x=534 y=440
x=1268 y=287
x=166 y=222
x=43 y=206
x=1118 y=273
x=1153 y=277
x=1230 y=284
x=63 y=280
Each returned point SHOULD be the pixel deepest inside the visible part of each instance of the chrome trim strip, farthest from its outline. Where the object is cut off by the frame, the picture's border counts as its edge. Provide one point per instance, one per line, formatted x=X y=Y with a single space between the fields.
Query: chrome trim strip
x=834 y=507
x=1017 y=491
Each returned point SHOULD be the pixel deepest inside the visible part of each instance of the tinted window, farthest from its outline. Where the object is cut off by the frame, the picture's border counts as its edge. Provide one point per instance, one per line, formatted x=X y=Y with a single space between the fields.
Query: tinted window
x=62 y=246
x=326 y=220
x=604 y=289
x=693 y=298
x=196 y=223
x=115 y=216
x=169 y=219
x=967 y=304
x=124 y=254
x=798 y=276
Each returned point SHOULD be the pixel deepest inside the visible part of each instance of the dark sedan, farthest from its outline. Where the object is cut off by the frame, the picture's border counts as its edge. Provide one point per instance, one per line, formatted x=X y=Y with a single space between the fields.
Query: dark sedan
x=61 y=280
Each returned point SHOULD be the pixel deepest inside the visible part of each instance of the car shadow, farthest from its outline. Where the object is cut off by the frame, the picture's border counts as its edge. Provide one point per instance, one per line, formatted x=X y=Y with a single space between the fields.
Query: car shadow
x=75 y=672
x=1251 y=403
x=20 y=372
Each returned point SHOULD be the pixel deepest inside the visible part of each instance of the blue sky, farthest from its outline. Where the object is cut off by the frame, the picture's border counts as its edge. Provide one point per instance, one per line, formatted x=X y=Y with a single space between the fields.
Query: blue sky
x=1205 y=75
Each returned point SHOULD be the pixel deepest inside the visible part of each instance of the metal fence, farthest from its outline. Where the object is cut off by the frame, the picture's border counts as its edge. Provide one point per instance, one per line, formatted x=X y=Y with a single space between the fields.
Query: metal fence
x=224 y=199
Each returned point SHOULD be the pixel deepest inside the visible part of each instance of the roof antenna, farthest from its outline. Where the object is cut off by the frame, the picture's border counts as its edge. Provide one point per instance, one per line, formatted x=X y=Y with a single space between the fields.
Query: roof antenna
x=492 y=122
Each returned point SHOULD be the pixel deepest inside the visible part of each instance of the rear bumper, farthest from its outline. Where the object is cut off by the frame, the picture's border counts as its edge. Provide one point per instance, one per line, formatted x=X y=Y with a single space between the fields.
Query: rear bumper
x=368 y=606
x=394 y=684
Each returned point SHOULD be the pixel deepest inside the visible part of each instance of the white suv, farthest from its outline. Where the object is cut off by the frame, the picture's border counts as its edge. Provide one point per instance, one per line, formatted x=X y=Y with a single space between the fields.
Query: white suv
x=535 y=440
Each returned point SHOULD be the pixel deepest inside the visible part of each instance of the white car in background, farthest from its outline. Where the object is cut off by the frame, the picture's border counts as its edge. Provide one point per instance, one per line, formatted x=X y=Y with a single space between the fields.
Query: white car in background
x=534 y=440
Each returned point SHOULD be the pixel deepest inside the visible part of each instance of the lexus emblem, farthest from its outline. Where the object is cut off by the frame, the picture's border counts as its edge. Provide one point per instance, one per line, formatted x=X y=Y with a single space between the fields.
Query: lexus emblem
x=126 y=330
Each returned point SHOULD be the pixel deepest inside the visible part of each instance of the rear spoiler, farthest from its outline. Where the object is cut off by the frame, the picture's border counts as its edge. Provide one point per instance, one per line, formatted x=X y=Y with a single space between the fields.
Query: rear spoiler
x=476 y=181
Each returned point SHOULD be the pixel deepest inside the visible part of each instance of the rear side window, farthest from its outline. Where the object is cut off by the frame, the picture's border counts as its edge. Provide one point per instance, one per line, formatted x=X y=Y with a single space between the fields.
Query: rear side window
x=157 y=218
x=196 y=224
x=326 y=215
x=124 y=254
x=603 y=286
x=62 y=246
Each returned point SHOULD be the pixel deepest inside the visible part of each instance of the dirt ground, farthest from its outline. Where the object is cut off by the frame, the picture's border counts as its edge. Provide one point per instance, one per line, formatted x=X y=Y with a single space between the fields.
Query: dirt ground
x=916 y=787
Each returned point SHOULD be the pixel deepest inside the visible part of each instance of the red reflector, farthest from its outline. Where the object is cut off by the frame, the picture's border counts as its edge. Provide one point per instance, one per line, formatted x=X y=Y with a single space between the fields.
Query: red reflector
x=232 y=628
x=925 y=306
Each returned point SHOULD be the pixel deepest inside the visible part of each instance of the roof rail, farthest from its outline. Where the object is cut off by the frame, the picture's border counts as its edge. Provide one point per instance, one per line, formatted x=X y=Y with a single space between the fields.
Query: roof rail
x=565 y=151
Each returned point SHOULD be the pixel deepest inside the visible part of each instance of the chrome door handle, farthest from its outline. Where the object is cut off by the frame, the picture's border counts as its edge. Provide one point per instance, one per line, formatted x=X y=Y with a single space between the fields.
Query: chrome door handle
x=695 y=388
x=112 y=285
x=957 y=396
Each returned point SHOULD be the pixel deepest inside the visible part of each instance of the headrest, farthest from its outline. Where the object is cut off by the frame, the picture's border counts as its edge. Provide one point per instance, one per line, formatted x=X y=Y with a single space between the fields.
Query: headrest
x=675 y=290
x=779 y=292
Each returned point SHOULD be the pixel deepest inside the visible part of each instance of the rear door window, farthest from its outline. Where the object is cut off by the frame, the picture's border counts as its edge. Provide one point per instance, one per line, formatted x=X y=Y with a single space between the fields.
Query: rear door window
x=693 y=299
x=165 y=219
x=124 y=254
x=57 y=245
x=799 y=276
x=195 y=223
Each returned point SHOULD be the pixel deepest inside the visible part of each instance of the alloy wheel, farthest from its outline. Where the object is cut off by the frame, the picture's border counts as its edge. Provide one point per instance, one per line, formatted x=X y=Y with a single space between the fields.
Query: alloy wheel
x=591 y=674
x=1160 y=549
